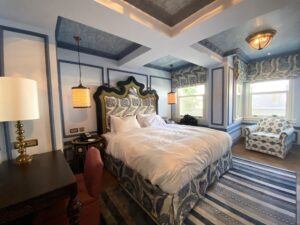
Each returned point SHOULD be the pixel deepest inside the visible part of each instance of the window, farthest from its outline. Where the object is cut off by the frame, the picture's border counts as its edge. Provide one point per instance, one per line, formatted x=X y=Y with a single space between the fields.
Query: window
x=239 y=100
x=269 y=98
x=191 y=100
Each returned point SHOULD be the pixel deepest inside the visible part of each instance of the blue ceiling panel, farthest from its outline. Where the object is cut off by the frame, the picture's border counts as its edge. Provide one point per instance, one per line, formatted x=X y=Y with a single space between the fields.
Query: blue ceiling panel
x=93 y=41
x=165 y=63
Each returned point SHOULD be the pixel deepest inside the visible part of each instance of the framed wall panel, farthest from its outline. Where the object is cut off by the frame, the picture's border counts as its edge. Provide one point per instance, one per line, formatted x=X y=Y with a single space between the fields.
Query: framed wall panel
x=26 y=54
x=92 y=77
x=115 y=75
x=3 y=155
x=163 y=87
x=231 y=96
x=217 y=96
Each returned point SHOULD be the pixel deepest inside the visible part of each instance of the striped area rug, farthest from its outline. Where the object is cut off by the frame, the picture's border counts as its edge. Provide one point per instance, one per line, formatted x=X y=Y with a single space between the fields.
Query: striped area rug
x=250 y=193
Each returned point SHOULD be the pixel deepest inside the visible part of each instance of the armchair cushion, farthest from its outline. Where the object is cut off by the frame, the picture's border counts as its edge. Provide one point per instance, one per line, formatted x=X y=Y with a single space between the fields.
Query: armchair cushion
x=266 y=137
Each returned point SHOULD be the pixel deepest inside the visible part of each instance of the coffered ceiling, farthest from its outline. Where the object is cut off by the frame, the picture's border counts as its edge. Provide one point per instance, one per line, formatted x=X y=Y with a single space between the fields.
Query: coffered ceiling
x=286 y=22
x=126 y=26
x=169 y=12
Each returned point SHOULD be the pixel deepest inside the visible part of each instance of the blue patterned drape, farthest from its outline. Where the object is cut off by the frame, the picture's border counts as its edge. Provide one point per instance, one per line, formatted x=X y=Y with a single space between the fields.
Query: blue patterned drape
x=281 y=67
x=189 y=76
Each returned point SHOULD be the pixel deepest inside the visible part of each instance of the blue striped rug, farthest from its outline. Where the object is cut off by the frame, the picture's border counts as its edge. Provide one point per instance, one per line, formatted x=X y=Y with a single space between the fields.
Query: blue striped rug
x=250 y=193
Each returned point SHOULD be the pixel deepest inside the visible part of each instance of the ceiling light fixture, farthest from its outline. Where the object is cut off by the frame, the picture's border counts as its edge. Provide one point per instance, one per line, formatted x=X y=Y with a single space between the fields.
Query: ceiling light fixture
x=261 y=39
x=80 y=94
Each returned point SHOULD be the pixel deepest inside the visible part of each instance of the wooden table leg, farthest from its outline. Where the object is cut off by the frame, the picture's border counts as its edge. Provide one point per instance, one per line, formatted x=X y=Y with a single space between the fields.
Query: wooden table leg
x=74 y=210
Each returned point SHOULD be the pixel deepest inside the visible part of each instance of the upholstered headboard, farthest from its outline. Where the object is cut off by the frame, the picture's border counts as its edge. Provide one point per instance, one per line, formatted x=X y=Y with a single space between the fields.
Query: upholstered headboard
x=127 y=99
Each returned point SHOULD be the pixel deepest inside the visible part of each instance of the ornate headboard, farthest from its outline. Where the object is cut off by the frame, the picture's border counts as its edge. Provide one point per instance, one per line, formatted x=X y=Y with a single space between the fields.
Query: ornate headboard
x=127 y=99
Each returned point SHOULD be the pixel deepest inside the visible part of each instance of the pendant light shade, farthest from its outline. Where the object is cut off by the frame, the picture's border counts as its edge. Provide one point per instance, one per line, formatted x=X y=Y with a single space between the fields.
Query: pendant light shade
x=81 y=97
x=261 y=40
x=80 y=94
x=171 y=98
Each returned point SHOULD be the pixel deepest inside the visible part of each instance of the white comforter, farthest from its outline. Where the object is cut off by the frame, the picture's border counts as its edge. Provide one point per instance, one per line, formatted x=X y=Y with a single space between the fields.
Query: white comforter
x=171 y=155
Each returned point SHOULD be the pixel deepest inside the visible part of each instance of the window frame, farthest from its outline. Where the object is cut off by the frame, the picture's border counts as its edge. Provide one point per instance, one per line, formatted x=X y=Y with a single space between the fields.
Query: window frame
x=248 y=106
x=200 y=118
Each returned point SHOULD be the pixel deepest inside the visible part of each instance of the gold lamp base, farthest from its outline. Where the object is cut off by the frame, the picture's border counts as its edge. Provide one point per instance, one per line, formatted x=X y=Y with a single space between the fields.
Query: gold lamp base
x=23 y=158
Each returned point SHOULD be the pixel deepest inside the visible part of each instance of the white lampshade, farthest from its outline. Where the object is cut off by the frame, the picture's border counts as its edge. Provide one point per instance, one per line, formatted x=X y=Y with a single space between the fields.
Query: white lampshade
x=81 y=97
x=18 y=99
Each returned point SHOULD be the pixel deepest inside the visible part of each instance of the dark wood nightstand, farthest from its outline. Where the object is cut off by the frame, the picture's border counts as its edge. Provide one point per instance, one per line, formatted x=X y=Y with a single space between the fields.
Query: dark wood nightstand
x=80 y=149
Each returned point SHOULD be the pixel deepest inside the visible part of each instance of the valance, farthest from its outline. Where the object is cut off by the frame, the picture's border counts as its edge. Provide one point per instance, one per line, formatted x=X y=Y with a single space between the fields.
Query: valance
x=282 y=67
x=189 y=76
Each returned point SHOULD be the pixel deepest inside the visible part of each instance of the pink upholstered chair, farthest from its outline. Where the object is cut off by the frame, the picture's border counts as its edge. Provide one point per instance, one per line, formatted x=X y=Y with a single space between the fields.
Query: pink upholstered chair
x=89 y=186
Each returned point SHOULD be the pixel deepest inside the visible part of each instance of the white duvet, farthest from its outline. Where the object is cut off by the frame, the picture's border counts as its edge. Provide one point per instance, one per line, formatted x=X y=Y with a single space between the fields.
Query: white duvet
x=171 y=155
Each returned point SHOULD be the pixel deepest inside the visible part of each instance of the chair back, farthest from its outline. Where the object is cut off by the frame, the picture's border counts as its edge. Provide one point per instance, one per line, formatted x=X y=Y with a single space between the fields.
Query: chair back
x=273 y=124
x=93 y=169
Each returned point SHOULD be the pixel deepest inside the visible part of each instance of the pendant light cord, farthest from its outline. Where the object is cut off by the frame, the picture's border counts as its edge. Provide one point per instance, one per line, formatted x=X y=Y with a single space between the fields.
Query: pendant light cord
x=77 y=38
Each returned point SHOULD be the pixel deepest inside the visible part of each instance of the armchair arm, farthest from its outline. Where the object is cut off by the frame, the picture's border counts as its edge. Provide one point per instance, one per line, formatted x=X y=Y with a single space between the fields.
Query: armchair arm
x=287 y=132
x=250 y=129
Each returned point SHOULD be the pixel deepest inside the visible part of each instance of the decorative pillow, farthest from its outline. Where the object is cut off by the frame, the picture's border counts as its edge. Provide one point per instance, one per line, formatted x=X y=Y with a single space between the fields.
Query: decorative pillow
x=123 y=124
x=142 y=118
x=153 y=121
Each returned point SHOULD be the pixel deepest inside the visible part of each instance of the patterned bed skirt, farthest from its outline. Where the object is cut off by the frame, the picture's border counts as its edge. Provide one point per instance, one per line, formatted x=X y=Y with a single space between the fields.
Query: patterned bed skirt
x=164 y=208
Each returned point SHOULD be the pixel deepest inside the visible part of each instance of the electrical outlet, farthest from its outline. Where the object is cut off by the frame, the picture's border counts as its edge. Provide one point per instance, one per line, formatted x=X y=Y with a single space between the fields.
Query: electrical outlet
x=81 y=129
x=73 y=130
x=28 y=143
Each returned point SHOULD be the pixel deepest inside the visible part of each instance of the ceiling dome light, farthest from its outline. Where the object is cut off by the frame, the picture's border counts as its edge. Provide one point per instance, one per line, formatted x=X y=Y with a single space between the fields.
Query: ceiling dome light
x=261 y=39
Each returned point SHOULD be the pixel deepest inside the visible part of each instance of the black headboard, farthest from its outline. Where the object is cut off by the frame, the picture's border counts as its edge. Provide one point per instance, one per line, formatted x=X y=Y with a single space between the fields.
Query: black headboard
x=128 y=98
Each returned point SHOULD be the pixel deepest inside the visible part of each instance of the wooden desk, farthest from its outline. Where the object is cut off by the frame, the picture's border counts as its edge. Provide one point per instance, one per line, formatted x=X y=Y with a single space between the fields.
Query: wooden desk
x=29 y=188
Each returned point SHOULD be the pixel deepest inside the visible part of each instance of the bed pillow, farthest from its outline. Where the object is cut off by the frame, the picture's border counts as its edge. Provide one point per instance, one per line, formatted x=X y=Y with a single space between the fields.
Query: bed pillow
x=123 y=124
x=152 y=120
x=142 y=118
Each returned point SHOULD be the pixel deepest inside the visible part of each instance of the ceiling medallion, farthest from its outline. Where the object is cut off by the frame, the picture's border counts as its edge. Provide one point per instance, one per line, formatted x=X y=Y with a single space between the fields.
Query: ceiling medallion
x=260 y=40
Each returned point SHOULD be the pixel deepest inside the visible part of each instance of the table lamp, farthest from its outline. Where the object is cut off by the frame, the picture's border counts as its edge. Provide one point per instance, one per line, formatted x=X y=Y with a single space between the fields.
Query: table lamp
x=19 y=101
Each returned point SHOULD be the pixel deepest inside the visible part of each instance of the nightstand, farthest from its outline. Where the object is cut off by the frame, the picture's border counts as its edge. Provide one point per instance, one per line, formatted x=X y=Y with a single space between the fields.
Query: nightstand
x=80 y=149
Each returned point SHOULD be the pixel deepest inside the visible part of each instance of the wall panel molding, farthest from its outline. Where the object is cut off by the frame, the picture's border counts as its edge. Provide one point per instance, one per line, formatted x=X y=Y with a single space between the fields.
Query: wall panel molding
x=45 y=39
x=213 y=100
x=162 y=100
x=109 y=70
x=60 y=86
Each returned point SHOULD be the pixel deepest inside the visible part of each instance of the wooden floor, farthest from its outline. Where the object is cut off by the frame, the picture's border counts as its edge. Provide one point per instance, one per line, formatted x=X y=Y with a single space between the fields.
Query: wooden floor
x=291 y=162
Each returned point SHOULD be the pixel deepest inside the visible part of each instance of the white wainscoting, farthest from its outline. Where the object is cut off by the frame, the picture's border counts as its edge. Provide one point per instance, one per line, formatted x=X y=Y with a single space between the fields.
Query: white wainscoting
x=24 y=56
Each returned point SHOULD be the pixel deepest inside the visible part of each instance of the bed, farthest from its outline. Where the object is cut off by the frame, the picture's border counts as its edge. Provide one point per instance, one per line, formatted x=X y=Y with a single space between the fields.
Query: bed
x=165 y=169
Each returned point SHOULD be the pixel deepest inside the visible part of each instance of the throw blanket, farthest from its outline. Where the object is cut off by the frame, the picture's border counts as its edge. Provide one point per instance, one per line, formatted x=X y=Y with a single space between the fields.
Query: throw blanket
x=169 y=156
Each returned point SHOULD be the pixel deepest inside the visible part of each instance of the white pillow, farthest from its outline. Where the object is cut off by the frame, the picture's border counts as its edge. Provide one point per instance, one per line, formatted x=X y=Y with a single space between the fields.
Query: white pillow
x=151 y=120
x=123 y=124
x=142 y=118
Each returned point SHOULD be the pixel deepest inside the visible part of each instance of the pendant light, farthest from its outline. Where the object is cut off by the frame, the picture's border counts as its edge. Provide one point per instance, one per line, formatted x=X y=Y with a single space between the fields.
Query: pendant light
x=80 y=94
x=171 y=94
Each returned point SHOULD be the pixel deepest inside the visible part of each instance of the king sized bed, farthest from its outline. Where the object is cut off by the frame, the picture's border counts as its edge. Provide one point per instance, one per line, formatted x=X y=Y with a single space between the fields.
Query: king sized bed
x=165 y=168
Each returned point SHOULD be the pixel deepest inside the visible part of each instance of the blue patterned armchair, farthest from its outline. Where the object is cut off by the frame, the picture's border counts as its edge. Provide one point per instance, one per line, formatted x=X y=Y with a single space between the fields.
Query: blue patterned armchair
x=271 y=135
